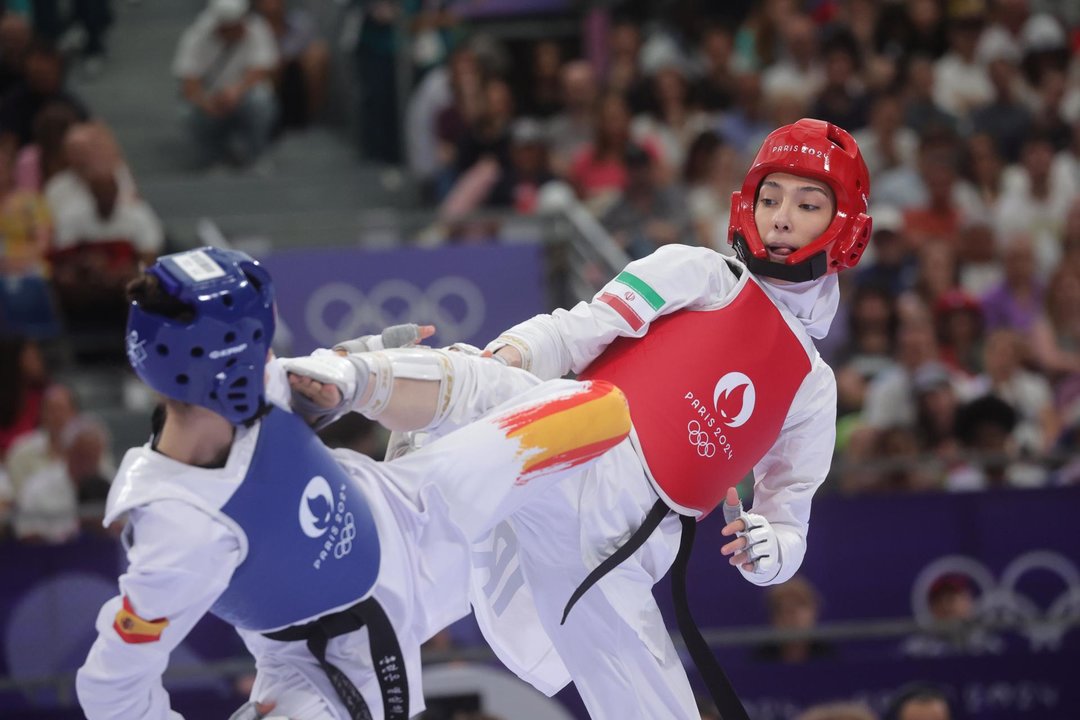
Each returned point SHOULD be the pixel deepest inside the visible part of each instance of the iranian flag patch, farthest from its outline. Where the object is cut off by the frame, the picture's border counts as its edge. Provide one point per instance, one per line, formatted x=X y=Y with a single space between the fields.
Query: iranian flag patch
x=630 y=296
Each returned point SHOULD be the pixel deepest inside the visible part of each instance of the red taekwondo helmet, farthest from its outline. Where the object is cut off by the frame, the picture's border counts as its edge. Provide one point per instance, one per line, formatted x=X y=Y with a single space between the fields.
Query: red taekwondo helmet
x=824 y=152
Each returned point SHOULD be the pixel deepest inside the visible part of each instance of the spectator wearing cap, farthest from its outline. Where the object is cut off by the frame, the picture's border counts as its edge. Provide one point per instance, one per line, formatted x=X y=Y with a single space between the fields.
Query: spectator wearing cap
x=1044 y=47
x=648 y=214
x=225 y=62
x=951 y=628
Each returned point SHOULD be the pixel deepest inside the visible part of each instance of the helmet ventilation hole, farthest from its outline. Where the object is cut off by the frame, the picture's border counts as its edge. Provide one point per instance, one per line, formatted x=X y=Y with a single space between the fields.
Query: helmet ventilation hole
x=181 y=379
x=230 y=362
x=196 y=352
x=162 y=350
x=257 y=335
x=227 y=300
x=230 y=337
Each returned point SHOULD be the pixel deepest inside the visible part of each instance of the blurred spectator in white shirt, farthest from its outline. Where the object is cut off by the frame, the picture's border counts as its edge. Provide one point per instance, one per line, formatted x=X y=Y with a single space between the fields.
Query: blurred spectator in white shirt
x=103 y=230
x=225 y=62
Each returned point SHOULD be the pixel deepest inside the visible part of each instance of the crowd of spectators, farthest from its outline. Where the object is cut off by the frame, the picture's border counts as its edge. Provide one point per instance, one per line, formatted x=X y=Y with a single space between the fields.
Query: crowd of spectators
x=956 y=349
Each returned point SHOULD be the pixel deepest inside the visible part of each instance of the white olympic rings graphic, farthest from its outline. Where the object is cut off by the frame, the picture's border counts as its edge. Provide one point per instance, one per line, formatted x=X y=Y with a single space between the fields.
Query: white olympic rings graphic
x=453 y=304
x=1003 y=601
x=348 y=534
x=699 y=438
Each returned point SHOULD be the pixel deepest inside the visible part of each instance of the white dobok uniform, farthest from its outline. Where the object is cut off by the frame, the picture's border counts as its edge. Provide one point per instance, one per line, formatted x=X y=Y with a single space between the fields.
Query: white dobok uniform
x=614 y=643
x=183 y=551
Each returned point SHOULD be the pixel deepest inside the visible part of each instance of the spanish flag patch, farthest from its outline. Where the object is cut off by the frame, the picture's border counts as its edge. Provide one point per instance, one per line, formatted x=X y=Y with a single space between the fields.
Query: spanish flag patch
x=133 y=629
x=566 y=432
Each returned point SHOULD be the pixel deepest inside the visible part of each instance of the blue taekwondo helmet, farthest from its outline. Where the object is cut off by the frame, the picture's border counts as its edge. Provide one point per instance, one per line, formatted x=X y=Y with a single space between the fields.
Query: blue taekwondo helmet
x=214 y=356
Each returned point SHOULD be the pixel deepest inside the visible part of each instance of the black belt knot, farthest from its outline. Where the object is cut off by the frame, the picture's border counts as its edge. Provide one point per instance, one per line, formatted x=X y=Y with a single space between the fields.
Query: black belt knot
x=386 y=657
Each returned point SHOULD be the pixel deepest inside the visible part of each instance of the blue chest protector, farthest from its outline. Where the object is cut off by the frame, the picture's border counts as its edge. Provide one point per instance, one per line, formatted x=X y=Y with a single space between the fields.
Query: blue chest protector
x=312 y=542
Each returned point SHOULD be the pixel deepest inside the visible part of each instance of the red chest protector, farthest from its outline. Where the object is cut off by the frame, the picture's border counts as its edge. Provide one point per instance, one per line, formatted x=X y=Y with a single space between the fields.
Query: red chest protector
x=708 y=391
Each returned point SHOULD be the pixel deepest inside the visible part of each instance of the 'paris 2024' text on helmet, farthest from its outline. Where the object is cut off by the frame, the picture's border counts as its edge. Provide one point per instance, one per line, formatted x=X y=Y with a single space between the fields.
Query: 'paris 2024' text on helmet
x=213 y=354
x=823 y=152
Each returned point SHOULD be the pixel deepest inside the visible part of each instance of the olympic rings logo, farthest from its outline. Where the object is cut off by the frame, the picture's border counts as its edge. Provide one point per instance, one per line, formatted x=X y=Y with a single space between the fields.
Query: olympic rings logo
x=699 y=438
x=348 y=534
x=1002 y=600
x=453 y=304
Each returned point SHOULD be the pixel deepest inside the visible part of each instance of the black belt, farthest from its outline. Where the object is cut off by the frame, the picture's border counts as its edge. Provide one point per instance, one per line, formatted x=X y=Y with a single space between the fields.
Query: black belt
x=716 y=680
x=386 y=656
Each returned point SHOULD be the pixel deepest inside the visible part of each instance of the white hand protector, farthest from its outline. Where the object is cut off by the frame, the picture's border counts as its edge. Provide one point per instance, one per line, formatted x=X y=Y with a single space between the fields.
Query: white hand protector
x=395 y=336
x=762 y=546
x=348 y=374
x=249 y=711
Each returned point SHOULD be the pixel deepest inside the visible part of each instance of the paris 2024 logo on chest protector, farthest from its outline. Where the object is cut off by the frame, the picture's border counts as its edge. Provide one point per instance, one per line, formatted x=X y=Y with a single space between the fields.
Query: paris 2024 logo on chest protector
x=316 y=507
x=733 y=400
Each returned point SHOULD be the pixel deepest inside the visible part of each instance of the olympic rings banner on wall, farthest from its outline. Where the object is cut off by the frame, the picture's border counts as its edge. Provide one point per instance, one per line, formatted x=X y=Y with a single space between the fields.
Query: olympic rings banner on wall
x=470 y=294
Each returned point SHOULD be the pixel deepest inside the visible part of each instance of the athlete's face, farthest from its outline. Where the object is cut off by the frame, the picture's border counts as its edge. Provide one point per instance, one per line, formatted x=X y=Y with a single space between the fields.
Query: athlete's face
x=791 y=212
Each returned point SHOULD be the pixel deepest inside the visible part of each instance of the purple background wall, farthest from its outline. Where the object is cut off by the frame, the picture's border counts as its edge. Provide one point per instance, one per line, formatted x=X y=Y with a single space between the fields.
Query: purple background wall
x=869 y=558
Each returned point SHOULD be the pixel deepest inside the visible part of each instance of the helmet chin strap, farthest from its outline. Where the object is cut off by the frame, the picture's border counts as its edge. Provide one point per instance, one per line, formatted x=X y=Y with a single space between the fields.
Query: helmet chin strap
x=811 y=269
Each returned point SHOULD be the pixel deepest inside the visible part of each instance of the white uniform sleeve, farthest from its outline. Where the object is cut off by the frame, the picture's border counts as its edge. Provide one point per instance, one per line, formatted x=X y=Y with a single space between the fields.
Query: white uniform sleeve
x=787 y=477
x=678 y=276
x=180 y=562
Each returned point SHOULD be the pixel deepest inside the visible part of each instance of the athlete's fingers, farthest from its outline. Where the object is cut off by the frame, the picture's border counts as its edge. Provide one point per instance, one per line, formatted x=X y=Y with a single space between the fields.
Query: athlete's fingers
x=426 y=331
x=734 y=546
x=735 y=526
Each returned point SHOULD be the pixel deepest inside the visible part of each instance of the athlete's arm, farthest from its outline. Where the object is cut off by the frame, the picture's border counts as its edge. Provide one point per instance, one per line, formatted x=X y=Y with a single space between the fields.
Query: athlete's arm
x=792 y=470
x=672 y=278
x=179 y=564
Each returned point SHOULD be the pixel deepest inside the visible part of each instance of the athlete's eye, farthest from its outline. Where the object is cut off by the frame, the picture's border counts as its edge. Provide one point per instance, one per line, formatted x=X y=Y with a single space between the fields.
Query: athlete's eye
x=809 y=206
x=767 y=202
